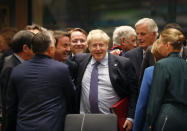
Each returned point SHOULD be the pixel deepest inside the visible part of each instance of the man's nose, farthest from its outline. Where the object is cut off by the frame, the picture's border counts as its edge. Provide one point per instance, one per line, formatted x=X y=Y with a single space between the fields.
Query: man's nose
x=139 y=37
x=68 y=49
x=78 y=42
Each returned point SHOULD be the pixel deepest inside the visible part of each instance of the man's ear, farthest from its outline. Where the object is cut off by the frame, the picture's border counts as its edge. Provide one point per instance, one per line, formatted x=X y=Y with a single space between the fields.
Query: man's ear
x=25 y=48
x=168 y=44
x=51 y=51
x=122 y=41
x=155 y=34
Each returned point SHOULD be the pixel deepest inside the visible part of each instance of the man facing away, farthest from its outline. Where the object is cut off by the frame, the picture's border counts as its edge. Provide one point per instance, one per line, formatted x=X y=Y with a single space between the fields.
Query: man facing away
x=102 y=79
x=40 y=92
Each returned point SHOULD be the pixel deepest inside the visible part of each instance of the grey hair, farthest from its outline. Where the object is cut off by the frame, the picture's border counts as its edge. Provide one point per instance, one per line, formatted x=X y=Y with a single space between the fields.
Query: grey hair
x=152 y=26
x=52 y=38
x=122 y=32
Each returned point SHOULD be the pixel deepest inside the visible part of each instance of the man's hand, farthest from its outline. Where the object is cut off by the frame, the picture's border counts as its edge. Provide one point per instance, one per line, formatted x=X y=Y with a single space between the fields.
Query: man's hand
x=128 y=125
x=116 y=52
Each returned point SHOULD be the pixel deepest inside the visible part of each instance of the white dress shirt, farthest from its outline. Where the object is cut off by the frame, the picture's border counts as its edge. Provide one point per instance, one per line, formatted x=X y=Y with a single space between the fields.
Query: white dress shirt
x=106 y=94
x=19 y=58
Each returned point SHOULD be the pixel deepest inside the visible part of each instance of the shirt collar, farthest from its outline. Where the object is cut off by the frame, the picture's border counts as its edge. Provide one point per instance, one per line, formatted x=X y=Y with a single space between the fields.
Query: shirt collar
x=19 y=58
x=102 y=62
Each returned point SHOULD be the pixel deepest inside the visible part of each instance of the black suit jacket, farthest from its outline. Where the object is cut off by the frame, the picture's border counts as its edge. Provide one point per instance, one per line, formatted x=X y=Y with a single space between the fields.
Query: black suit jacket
x=39 y=94
x=9 y=63
x=149 y=61
x=122 y=76
x=136 y=56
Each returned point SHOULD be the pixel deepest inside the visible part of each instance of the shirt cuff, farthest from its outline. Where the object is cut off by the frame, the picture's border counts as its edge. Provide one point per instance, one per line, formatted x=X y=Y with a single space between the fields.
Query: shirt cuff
x=130 y=119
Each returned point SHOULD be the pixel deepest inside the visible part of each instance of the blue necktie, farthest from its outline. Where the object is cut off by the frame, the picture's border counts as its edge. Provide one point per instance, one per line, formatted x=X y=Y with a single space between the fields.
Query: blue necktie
x=93 y=96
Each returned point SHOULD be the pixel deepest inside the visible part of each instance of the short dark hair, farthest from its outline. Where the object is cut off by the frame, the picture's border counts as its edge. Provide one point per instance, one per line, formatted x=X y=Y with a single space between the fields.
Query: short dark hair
x=20 y=38
x=58 y=34
x=41 y=41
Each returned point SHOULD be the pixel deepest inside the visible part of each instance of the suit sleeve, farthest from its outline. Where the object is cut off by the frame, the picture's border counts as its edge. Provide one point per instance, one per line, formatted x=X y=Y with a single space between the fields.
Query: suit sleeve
x=11 y=108
x=159 y=84
x=132 y=89
x=69 y=94
x=144 y=65
x=72 y=67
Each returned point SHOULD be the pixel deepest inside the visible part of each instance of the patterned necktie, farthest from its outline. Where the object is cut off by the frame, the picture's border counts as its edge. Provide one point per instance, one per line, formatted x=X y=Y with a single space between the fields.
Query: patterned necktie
x=93 y=96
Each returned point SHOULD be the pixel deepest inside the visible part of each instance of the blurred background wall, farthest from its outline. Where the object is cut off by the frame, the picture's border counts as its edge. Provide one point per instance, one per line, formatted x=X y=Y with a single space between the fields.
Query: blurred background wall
x=91 y=14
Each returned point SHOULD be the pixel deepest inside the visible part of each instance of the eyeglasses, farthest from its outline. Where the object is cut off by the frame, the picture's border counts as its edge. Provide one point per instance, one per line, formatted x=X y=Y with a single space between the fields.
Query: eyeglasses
x=79 y=40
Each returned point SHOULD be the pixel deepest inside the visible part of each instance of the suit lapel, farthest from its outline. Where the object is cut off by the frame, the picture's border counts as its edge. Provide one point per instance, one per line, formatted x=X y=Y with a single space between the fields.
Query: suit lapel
x=140 y=55
x=113 y=66
x=83 y=65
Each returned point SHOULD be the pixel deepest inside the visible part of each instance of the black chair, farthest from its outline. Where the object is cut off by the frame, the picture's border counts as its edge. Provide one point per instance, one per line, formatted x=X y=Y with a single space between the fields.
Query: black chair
x=91 y=122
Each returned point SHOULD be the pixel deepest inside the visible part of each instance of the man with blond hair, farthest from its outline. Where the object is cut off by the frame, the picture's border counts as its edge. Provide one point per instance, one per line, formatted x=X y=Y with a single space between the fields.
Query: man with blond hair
x=102 y=79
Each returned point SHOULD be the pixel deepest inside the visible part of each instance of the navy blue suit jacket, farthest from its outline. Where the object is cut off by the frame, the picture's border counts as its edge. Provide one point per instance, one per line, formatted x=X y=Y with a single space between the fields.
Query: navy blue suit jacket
x=38 y=95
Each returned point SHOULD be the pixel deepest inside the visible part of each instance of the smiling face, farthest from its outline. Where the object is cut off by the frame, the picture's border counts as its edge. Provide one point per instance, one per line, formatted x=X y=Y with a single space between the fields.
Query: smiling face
x=78 y=42
x=98 y=49
x=62 y=48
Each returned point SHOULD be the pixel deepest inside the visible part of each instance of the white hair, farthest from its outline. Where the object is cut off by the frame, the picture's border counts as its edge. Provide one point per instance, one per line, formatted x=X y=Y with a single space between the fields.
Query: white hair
x=152 y=26
x=122 y=32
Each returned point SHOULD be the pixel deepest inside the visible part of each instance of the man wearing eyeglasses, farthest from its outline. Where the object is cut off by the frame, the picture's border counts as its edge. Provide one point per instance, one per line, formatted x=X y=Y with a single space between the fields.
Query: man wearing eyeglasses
x=78 y=41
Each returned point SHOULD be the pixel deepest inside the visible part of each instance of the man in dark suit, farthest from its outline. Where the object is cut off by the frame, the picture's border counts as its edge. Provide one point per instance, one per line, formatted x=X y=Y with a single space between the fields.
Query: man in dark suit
x=147 y=32
x=21 y=47
x=115 y=79
x=40 y=90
